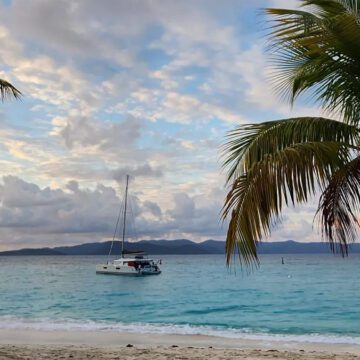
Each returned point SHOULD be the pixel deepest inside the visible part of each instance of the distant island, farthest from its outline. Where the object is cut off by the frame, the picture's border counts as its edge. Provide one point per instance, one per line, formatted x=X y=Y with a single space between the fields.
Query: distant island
x=178 y=247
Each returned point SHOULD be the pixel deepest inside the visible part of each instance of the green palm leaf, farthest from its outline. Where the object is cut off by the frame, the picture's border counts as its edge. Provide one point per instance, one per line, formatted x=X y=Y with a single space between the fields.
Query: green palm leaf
x=319 y=50
x=282 y=163
x=338 y=206
x=275 y=164
x=248 y=144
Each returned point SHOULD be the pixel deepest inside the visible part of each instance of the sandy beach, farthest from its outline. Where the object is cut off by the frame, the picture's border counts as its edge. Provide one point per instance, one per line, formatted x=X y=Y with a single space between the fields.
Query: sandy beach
x=30 y=344
x=161 y=353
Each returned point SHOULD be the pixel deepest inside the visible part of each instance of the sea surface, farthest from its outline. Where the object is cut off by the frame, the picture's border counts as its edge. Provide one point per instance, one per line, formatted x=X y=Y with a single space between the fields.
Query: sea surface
x=309 y=298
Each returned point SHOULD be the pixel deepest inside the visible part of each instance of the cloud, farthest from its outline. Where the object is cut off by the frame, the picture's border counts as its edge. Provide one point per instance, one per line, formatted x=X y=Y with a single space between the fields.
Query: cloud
x=58 y=217
x=85 y=132
x=184 y=207
x=141 y=87
x=153 y=208
x=284 y=4
x=179 y=108
x=144 y=170
x=32 y=216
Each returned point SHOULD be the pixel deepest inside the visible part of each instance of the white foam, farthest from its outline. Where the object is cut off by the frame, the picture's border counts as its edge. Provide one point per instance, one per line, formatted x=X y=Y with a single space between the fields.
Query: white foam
x=10 y=322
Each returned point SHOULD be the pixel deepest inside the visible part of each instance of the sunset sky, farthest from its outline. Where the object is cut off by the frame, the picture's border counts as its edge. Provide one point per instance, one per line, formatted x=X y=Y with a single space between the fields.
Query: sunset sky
x=145 y=87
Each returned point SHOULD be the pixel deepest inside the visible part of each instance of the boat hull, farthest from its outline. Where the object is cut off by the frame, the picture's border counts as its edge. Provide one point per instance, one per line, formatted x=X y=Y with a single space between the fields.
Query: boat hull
x=109 y=269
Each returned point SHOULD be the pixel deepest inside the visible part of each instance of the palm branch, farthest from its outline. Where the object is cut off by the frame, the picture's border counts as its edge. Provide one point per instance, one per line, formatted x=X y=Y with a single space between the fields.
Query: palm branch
x=338 y=206
x=282 y=163
x=275 y=164
x=319 y=50
x=8 y=90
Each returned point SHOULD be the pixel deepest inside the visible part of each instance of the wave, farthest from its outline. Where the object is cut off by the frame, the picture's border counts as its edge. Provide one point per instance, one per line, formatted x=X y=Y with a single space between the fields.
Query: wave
x=10 y=322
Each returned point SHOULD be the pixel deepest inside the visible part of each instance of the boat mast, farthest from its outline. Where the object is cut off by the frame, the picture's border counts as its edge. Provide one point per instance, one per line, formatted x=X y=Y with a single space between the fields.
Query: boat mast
x=124 y=224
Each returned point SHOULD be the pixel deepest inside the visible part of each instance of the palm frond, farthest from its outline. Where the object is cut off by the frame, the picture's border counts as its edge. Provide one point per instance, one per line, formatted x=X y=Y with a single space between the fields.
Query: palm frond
x=287 y=176
x=338 y=206
x=8 y=90
x=333 y=7
x=318 y=50
x=283 y=163
x=251 y=143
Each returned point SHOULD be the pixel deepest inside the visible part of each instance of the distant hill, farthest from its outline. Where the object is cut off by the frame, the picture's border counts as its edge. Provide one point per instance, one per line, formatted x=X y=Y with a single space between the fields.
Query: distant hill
x=43 y=251
x=177 y=247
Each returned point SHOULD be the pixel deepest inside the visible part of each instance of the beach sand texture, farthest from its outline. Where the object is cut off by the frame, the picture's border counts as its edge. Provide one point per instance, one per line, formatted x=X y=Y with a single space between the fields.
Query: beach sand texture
x=20 y=344
x=16 y=352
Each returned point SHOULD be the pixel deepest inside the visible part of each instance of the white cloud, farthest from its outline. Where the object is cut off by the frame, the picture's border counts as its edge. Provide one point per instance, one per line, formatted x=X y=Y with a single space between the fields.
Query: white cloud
x=69 y=216
x=142 y=87
x=85 y=132
x=179 y=108
x=284 y=4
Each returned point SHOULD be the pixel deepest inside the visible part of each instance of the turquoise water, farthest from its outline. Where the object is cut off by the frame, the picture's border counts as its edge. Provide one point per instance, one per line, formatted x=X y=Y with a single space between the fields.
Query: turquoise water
x=311 y=297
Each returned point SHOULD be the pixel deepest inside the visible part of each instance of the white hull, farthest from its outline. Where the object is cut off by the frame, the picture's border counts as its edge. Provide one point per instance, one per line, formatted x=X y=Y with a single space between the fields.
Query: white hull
x=112 y=269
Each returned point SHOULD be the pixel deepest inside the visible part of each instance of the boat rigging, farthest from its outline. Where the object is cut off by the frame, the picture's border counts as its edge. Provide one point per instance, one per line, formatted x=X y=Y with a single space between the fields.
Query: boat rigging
x=139 y=265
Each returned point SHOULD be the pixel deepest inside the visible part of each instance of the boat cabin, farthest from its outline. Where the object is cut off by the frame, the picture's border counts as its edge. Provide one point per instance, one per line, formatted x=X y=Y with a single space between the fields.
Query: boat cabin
x=137 y=262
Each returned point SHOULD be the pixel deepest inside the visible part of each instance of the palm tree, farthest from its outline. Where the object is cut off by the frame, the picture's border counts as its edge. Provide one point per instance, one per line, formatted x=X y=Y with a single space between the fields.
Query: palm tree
x=286 y=162
x=8 y=90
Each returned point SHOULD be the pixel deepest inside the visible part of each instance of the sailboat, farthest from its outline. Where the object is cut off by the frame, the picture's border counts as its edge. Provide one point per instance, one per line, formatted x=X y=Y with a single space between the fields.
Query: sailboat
x=138 y=265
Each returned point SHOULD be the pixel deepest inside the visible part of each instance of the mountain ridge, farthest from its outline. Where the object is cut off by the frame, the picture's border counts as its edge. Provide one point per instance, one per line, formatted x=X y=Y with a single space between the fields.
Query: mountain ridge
x=177 y=247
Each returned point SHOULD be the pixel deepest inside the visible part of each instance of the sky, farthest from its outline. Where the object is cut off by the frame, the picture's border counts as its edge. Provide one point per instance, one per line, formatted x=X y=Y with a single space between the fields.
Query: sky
x=141 y=87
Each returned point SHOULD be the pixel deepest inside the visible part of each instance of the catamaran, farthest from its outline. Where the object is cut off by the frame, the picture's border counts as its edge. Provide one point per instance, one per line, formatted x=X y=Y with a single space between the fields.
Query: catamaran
x=138 y=265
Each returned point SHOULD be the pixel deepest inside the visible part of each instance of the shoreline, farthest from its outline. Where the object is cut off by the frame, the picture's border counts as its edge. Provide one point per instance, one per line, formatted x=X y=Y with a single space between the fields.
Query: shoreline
x=158 y=329
x=115 y=340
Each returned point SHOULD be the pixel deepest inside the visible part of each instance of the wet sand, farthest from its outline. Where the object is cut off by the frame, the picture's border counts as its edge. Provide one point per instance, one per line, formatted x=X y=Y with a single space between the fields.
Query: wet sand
x=31 y=344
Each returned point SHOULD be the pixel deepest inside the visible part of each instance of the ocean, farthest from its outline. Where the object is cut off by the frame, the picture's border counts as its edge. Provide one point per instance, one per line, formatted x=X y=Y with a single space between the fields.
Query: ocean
x=309 y=298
